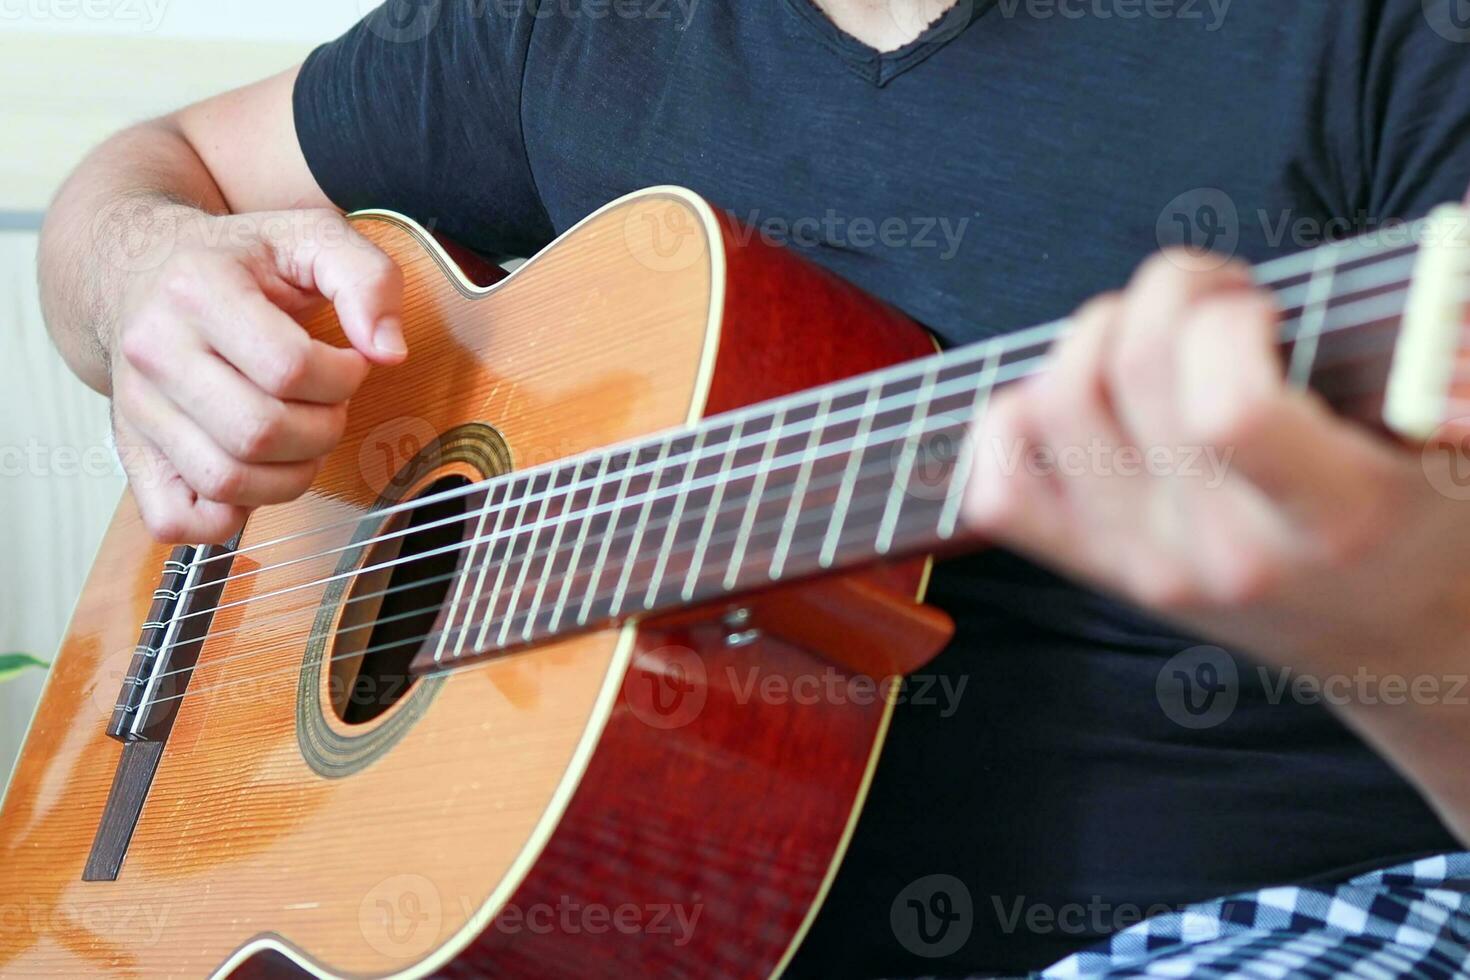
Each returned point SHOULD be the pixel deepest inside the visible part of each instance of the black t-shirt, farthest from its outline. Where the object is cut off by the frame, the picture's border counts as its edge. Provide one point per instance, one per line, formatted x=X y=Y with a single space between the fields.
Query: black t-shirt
x=1018 y=158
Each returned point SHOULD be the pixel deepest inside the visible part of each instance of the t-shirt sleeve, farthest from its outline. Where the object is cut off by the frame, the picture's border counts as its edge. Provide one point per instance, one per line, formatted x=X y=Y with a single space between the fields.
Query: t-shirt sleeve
x=417 y=109
x=1413 y=127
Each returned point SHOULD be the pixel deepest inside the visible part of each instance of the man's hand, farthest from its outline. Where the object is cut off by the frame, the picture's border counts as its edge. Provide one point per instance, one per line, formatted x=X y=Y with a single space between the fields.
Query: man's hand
x=1205 y=488
x=221 y=401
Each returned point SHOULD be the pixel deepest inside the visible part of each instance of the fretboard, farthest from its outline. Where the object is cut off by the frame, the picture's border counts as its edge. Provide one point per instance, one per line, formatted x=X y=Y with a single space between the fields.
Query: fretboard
x=863 y=470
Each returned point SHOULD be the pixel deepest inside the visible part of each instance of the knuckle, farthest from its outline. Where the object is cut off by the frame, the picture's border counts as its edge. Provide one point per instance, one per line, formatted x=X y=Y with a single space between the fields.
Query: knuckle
x=995 y=508
x=142 y=346
x=1192 y=268
x=287 y=368
x=1239 y=425
x=223 y=480
x=181 y=281
x=380 y=271
x=1165 y=587
x=1168 y=269
x=1245 y=578
x=1069 y=407
x=302 y=480
x=163 y=523
x=258 y=433
x=1065 y=413
x=1137 y=360
x=336 y=424
x=1099 y=311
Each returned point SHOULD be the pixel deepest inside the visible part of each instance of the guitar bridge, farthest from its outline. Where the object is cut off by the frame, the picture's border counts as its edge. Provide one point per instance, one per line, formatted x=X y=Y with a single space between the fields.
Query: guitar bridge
x=183 y=607
x=193 y=580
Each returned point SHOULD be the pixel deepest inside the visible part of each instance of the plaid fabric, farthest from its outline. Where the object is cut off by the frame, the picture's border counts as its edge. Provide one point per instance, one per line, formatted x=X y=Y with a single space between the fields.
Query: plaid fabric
x=1412 y=920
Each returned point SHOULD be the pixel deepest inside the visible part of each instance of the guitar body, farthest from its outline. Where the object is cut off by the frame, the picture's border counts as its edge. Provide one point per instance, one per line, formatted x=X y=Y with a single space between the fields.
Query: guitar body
x=625 y=801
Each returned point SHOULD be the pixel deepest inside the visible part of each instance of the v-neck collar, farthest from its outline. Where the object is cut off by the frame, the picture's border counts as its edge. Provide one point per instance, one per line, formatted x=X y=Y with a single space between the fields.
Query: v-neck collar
x=882 y=67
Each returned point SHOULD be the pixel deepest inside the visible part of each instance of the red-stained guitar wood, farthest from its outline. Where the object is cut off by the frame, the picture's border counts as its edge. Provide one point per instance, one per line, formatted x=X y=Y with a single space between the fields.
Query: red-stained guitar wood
x=625 y=802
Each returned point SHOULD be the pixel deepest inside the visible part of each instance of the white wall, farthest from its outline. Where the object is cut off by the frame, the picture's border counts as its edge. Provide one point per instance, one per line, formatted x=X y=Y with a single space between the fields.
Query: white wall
x=229 y=20
x=71 y=72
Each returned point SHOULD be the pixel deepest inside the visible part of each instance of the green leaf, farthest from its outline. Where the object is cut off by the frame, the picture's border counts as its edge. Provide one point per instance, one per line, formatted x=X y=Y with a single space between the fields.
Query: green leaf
x=13 y=663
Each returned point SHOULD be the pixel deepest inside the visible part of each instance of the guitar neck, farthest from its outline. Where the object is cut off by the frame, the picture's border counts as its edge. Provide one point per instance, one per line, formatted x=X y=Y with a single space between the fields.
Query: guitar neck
x=868 y=469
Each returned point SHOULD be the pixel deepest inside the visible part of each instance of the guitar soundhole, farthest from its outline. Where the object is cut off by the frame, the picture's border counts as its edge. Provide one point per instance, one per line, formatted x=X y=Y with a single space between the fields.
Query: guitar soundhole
x=393 y=604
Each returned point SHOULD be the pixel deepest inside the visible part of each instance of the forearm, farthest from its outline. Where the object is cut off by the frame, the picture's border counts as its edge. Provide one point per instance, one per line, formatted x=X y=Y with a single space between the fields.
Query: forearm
x=113 y=216
x=1424 y=730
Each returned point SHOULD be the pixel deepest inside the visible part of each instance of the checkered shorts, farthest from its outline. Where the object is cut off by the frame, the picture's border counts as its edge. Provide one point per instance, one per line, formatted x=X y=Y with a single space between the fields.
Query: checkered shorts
x=1412 y=920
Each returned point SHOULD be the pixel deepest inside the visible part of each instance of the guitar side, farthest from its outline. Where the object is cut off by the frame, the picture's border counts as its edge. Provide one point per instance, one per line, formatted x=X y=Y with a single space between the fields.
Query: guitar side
x=612 y=802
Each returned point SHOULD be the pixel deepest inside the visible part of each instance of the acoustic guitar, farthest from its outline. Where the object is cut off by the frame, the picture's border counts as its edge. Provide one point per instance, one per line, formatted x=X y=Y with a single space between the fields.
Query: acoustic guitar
x=578 y=657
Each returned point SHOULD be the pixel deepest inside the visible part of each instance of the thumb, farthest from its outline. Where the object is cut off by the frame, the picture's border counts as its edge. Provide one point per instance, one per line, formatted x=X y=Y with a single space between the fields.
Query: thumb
x=361 y=282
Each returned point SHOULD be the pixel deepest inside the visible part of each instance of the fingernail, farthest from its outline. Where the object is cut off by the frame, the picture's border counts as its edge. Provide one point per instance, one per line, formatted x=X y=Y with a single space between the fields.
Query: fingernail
x=388 y=337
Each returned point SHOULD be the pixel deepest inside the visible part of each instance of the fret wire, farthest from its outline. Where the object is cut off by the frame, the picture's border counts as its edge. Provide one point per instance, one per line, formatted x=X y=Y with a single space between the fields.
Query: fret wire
x=956 y=362
x=1314 y=316
x=636 y=543
x=962 y=447
x=453 y=607
x=897 y=372
x=479 y=581
x=1350 y=281
x=824 y=409
x=958 y=422
x=810 y=528
x=893 y=436
x=844 y=492
x=570 y=575
x=959 y=478
x=762 y=474
x=713 y=507
x=906 y=464
x=538 y=527
x=1379 y=306
x=506 y=556
x=782 y=526
x=1270 y=275
x=563 y=519
x=441 y=578
x=681 y=498
x=483 y=571
x=612 y=523
x=769 y=526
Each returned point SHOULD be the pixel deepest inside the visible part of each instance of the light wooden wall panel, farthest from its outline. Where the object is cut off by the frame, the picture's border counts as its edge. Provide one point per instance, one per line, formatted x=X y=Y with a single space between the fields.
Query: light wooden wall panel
x=58 y=485
x=60 y=96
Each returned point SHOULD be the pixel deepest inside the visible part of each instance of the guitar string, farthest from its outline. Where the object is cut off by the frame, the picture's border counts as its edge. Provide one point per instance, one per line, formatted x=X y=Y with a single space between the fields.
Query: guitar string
x=510 y=484
x=893 y=436
x=816 y=519
x=566 y=519
x=387 y=536
x=776 y=523
x=1016 y=341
